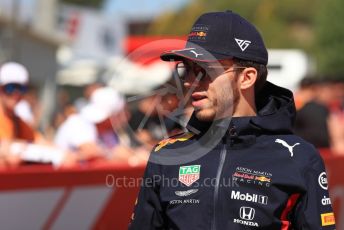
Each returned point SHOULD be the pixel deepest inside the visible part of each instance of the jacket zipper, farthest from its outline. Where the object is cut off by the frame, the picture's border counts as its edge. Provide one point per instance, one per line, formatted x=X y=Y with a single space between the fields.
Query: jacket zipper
x=216 y=191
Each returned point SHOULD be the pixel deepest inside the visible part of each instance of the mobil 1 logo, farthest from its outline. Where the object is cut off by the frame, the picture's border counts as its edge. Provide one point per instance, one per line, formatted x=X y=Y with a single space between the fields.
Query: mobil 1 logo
x=249 y=197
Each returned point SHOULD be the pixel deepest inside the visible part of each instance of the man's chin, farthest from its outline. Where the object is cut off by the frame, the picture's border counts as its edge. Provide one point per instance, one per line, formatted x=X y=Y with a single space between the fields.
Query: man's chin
x=203 y=115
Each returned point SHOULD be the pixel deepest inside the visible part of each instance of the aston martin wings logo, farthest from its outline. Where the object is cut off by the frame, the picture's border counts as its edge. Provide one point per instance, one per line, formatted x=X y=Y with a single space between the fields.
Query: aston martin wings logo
x=186 y=193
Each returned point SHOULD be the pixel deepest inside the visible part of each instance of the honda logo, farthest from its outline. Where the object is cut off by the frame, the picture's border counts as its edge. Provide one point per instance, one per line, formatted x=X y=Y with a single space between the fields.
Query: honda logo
x=247 y=213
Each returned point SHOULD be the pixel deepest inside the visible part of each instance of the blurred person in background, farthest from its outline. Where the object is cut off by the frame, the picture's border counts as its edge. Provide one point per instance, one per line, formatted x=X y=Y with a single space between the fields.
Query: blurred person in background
x=319 y=117
x=336 y=117
x=20 y=142
x=311 y=119
x=91 y=133
x=153 y=119
x=14 y=79
x=306 y=91
x=63 y=109
x=82 y=101
x=66 y=106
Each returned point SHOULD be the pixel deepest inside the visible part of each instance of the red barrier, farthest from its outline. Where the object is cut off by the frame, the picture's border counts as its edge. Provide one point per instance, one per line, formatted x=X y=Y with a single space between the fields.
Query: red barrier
x=96 y=196
x=39 y=197
x=334 y=167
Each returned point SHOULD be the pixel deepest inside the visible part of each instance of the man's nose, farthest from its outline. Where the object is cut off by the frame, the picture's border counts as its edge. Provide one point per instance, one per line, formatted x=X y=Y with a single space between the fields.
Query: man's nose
x=191 y=83
x=193 y=80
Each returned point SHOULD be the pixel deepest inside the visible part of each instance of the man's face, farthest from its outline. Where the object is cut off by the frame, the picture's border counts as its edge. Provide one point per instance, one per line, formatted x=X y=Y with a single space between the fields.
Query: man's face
x=11 y=94
x=214 y=89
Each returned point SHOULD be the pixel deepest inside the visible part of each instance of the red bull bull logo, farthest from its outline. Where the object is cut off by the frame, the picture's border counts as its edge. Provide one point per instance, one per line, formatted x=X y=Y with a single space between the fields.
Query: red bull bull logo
x=182 y=137
x=263 y=179
x=199 y=33
x=202 y=34
x=252 y=176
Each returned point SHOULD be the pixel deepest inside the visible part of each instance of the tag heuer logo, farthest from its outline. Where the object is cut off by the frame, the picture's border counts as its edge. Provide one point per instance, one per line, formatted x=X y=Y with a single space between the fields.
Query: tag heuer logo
x=189 y=174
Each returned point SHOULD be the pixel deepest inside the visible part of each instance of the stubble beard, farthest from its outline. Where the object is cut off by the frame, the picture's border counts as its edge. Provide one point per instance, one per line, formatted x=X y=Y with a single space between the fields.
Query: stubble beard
x=223 y=107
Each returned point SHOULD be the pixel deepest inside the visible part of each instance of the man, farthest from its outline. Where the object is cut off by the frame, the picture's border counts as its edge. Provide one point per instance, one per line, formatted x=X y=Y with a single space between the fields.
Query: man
x=14 y=78
x=20 y=143
x=314 y=114
x=13 y=85
x=277 y=180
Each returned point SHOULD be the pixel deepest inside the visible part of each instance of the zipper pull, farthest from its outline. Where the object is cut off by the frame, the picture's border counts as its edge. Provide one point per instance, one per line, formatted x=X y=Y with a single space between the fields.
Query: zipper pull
x=232 y=131
x=232 y=134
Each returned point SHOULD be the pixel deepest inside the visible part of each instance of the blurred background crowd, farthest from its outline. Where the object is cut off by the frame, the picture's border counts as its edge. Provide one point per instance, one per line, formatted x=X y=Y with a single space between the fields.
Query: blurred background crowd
x=81 y=81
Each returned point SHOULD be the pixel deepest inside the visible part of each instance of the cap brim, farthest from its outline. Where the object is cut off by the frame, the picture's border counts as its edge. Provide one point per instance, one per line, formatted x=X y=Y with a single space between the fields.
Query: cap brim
x=194 y=54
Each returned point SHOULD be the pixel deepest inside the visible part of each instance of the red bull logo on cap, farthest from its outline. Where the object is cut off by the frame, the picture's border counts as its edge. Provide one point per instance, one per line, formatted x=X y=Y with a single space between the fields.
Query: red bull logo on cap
x=198 y=33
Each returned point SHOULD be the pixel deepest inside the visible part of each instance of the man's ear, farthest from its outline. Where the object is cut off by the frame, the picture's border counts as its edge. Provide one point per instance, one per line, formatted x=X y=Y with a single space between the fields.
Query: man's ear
x=247 y=78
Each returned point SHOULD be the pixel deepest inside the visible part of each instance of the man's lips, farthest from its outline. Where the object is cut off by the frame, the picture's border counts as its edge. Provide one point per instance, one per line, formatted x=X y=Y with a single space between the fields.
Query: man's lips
x=198 y=96
x=198 y=99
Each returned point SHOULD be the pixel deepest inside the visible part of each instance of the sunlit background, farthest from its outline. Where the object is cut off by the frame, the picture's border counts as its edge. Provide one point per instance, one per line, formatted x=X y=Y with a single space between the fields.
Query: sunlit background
x=69 y=45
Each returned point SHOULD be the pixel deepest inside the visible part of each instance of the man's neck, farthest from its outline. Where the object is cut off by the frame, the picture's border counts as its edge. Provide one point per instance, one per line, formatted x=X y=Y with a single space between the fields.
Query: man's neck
x=246 y=107
x=247 y=112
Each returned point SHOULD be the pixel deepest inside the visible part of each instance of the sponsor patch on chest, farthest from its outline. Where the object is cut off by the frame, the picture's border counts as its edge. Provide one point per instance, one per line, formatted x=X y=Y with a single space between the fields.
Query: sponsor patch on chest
x=251 y=176
x=189 y=174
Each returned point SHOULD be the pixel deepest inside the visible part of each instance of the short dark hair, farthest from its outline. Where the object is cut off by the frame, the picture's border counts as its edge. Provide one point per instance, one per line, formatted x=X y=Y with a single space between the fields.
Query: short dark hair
x=261 y=70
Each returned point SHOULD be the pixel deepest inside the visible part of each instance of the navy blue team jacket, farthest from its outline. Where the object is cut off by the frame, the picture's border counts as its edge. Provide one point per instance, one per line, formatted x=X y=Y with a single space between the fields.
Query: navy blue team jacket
x=257 y=175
